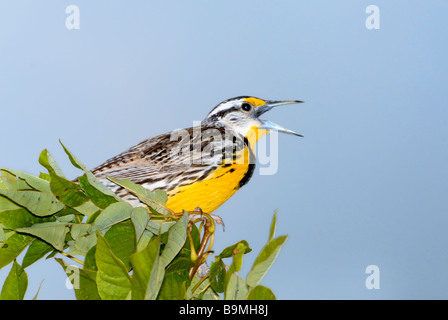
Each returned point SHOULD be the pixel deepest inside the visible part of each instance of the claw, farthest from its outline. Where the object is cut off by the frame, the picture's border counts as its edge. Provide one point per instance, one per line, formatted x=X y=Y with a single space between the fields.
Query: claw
x=200 y=216
x=219 y=220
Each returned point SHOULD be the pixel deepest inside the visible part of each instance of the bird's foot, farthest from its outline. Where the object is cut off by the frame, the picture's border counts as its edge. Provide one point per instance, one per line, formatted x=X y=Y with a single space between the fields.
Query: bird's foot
x=198 y=215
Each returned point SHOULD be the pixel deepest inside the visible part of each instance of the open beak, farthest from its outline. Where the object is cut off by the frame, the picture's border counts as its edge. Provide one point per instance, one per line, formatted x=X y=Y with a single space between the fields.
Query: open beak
x=268 y=125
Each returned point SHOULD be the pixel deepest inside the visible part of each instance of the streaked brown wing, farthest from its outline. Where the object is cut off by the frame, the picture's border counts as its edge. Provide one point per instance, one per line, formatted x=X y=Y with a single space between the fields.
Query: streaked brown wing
x=165 y=157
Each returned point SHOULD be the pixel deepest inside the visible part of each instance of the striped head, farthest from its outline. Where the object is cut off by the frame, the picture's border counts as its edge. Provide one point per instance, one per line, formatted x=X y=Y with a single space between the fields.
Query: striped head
x=241 y=114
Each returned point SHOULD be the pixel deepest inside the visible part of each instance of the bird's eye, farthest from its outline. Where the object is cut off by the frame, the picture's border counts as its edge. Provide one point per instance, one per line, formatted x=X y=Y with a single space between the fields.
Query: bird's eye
x=246 y=107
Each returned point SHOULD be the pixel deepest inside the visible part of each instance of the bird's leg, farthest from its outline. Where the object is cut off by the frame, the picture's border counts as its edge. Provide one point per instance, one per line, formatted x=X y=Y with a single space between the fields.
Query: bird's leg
x=209 y=235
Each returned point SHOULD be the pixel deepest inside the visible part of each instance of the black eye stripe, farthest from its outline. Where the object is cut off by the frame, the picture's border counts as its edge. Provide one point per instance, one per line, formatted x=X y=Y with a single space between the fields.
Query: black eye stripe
x=222 y=113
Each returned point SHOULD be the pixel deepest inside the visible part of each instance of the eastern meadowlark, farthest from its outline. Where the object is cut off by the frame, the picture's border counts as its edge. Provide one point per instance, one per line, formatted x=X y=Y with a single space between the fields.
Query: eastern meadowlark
x=198 y=167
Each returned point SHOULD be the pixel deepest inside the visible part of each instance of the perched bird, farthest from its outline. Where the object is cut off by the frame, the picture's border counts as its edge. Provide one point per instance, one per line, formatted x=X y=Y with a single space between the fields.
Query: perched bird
x=198 y=167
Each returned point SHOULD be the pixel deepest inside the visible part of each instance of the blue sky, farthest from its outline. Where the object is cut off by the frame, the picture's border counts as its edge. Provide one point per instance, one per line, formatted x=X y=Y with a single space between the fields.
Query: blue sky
x=366 y=185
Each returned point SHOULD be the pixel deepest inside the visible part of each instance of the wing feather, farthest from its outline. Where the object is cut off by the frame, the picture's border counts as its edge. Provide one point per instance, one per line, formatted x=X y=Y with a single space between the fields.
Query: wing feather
x=168 y=156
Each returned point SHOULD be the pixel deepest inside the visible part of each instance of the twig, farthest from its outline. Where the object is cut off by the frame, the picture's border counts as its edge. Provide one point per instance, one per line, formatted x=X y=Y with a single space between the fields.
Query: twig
x=72 y=257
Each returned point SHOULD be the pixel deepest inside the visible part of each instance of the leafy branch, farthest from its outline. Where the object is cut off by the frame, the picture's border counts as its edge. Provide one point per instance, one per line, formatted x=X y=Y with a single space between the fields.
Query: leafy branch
x=120 y=251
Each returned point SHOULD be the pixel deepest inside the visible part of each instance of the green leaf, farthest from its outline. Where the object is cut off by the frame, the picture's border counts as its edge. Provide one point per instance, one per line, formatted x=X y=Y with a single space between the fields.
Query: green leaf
x=261 y=293
x=12 y=247
x=198 y=288
x=144 y=262
x=101 y=195
x=144 y=240
x=82 y=280
x=15 y=284
x=176 y=240
x=67 y=191
x=45 y=176
x=112 y=278
x=176 y=280
x=236 y=288
x=99 y=198
x=66 y=217
x=180 y=264
x=148 y=272
x=241 y=289
x=51 y=232
x=217 y=275
x=236 y=265
x=230 y=251
x=20 y=218
x=145 y=228
x=155 y=282
x=140 y=218
x=34 y=182
x=196 y=237
x=39 y=203
x=83 y=238
x=265 y=260
x=174 y=285
x=89 y=260
x=46 y=160
x=154 y=200
x=210 y=294
x=202 y=290
x=158 y=196
x=75 y=162
x=2 y=233
x=6 y=204
x=38 y=290
x=273 y=225
x=93 y=217
x=35 y=251
x=159 y=227
x=87 y=285
x=9 y=181
x=121 y=239
x=88 y=209
x=113 y=214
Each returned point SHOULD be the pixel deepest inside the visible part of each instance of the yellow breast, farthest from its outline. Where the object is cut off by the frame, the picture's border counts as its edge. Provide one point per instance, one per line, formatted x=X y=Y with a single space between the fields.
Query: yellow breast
x=211 y=192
